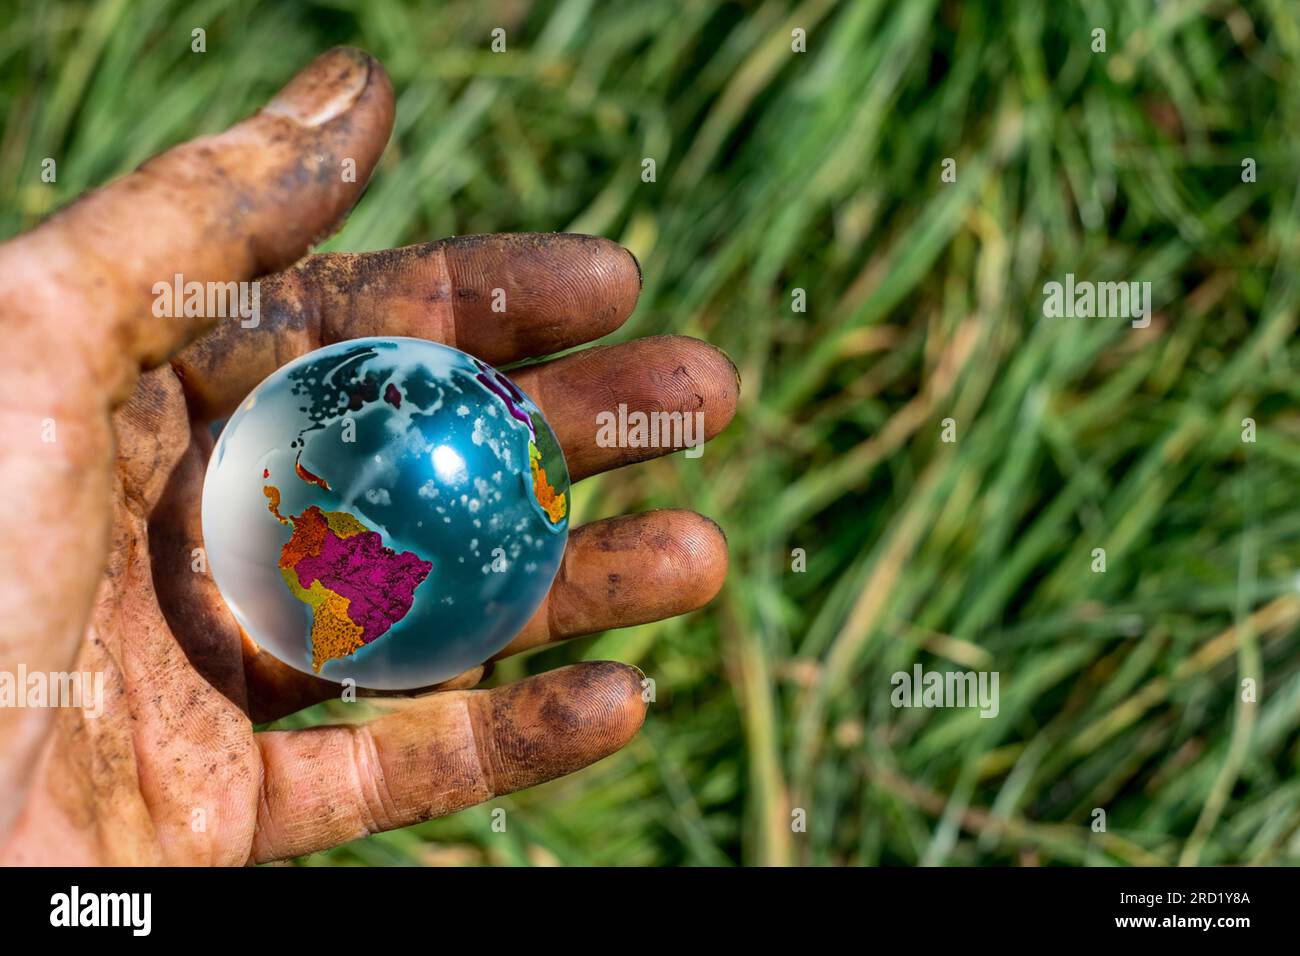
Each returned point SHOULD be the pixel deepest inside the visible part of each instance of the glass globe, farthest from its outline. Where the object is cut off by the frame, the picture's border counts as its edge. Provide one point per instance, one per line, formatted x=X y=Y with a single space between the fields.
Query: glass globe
x=390 y=510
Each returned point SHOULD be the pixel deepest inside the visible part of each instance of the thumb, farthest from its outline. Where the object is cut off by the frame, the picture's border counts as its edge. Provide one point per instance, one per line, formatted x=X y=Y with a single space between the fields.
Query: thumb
x=221 y=208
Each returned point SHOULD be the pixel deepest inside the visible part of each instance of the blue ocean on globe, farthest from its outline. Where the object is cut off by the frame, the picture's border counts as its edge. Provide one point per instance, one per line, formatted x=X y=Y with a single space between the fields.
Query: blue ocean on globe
x=389 y=510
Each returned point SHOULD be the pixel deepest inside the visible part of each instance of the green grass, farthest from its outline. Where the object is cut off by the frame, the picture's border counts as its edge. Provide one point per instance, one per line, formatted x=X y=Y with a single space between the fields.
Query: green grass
x=821 y=171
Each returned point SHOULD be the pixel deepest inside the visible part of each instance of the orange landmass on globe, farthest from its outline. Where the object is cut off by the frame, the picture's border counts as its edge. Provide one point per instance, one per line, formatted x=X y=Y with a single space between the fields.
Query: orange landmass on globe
x=553 y=503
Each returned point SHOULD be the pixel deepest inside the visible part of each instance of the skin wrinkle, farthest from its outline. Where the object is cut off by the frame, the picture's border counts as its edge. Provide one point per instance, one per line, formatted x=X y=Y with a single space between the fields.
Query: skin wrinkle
x=484 y=772
x=139 y=747
x=265 y=829
x=312 y=316
x=560 y=586
x=113 y=610
x=452 y=329
x=372 y=788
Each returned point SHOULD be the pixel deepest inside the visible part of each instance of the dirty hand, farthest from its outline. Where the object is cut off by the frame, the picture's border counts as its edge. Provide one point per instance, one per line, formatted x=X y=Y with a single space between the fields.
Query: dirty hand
x=106 y=419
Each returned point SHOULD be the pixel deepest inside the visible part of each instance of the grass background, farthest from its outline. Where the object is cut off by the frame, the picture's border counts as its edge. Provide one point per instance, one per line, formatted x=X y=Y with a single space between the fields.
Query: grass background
x=821 y=171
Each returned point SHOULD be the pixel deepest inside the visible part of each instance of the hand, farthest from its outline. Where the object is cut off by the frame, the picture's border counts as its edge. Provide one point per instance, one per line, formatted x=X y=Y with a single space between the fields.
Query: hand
x=95 y=560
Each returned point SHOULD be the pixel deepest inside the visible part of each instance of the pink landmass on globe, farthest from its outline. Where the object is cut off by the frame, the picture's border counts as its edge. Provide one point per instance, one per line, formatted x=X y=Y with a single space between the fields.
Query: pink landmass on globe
x=356 y=587
x=378 y=582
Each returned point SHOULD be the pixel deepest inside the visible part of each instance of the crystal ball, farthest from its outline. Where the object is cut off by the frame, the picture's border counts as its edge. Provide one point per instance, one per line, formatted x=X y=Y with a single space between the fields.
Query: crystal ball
x=389 y=510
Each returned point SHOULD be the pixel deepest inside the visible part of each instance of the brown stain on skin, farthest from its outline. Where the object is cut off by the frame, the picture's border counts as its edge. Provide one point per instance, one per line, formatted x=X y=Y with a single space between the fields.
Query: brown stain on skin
x=627 y=533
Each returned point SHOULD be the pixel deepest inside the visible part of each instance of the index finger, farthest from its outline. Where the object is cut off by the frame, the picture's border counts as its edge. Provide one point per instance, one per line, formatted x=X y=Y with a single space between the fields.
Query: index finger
x=500 y=297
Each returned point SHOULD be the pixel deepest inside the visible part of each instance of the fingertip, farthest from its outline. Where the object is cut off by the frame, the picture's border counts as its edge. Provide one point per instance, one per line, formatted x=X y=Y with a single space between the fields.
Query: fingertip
x=706 y=556
x=560 y=290
x=681 y=372
x=615 y=275
x=558 y=722
x=230 y=207
x=344 y=131
x=625 y=701
x=640 y=275
x=656 y=375
x=377 y=99
x=676 y=561
x=600 y=700
x=325 y=88
x=717 y=367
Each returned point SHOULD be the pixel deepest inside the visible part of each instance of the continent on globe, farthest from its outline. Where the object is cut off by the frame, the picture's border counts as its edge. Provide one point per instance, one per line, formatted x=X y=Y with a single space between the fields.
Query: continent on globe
x=552 y=502
x=356 y=587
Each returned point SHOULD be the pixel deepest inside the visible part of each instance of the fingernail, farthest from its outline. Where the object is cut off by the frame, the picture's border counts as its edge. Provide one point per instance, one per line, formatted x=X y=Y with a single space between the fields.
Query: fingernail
x=325 y=89
x=735 y=368
x=721 y=530
x=640 y=276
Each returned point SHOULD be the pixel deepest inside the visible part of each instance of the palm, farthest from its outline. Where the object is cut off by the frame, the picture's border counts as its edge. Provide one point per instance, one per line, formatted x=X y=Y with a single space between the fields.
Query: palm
x=172 y=771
